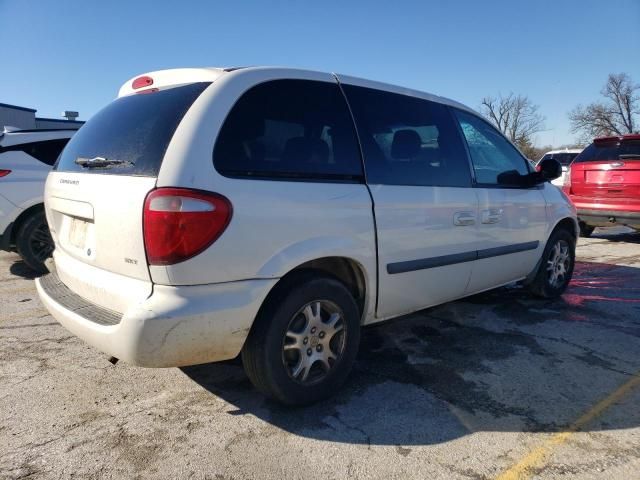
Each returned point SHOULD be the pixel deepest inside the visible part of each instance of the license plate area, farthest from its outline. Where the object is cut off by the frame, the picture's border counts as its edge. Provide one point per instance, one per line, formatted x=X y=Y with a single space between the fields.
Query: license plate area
x=616 y=177
x=78 y=232
x=77 y=237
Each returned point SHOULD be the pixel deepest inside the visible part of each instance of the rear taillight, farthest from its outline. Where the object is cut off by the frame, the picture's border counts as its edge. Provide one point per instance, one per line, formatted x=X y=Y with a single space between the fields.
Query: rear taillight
x=180 y=223
x=4 y=173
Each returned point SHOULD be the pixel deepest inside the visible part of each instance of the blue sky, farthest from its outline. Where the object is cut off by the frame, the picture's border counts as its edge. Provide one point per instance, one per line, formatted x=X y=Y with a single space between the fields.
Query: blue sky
x=74 y=55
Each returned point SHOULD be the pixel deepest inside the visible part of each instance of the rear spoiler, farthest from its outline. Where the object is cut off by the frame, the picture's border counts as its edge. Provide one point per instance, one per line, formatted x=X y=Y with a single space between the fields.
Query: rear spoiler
x=616 y=139
x=154 y=81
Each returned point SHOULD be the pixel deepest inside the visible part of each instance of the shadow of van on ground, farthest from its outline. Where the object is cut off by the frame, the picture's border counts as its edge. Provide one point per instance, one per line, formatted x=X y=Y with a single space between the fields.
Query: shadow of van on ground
x=498 y=361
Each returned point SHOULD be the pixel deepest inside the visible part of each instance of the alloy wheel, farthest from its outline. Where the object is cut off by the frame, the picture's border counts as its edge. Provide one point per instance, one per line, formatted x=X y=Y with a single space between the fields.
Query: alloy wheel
x=558 y=264
x=314 y=341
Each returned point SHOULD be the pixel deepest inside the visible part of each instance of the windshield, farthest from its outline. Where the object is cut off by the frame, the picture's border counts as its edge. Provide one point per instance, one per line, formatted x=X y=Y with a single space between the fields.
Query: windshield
x=130 y=135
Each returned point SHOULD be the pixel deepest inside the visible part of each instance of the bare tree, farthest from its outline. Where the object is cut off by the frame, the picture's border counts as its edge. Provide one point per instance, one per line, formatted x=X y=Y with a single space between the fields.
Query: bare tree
x=516 y=116
x=616 y=115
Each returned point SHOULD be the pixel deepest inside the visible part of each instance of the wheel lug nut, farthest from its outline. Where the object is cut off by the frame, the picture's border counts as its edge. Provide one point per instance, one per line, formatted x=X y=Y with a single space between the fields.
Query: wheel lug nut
x=309 y=352
x=319 y=348
x=313 y=330
x=306 y=340
x=321 y=335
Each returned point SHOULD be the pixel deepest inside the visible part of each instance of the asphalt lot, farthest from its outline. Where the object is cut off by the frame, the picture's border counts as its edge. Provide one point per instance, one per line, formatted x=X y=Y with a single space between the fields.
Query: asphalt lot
x=496 y=384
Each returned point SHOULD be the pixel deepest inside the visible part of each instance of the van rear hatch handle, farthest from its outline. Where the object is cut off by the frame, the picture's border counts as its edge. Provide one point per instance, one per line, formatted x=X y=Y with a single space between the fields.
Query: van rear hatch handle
x=101 y=162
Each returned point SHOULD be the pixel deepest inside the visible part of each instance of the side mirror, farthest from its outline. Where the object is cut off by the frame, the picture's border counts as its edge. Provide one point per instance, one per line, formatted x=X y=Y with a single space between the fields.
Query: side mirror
x=511 y=178
x=546 y=170
x=549 y=169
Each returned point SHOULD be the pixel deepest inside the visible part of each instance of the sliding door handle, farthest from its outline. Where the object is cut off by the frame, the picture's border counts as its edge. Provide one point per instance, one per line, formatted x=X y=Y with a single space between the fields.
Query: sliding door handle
x=492 y=215
x=462 y=219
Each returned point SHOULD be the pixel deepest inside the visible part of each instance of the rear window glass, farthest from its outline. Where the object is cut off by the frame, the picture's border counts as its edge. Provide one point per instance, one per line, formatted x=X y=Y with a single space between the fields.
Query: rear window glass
x=622 y=151
x=289 y=129
x=47 y=151
x=132 y=133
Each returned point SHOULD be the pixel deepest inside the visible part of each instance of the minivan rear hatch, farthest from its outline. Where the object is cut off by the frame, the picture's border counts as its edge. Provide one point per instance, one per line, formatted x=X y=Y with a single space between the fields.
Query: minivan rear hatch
x=608 y=168
x=95 y=195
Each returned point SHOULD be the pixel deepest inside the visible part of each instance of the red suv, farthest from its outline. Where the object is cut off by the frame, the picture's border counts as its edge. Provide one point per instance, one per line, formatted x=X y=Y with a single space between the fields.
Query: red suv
x=604 y=183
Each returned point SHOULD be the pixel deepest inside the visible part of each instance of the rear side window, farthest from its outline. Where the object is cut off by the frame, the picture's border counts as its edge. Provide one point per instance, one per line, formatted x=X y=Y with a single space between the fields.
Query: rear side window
x=289 y=129
x=132 y=131
x=491 y=153
x=408 y=140
x=626 y=150
x=47 y=151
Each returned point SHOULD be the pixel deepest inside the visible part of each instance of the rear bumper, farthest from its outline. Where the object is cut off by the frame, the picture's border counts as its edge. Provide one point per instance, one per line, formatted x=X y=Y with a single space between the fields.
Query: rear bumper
x=604 y=218
x=175 y=326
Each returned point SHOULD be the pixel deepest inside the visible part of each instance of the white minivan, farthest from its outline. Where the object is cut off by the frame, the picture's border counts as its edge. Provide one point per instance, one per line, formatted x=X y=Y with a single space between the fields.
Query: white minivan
x=271 y=212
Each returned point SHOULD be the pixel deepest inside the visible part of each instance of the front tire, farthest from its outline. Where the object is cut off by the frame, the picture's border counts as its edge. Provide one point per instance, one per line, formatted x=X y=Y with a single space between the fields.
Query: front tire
x=304 y=341
x=34 y=243
x=556 y=267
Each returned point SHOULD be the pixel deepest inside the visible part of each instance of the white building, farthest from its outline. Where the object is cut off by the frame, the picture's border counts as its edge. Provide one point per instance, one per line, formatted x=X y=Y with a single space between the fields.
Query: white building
x=25 y=118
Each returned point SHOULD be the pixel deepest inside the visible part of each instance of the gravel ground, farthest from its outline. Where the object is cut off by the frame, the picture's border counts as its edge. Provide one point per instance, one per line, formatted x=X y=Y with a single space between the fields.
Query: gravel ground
x=498 y=383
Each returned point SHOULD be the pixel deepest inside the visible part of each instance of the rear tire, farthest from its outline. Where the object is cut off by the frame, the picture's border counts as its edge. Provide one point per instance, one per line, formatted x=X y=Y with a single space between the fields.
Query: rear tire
x=304 y=341
x=556 y=266
x=586 y=230
x=34 y=243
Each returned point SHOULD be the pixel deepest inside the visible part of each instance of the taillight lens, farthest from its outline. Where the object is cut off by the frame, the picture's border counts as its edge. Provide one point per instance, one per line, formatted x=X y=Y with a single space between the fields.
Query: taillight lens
x=180 y=223
x=141 y=82
x=4 y=173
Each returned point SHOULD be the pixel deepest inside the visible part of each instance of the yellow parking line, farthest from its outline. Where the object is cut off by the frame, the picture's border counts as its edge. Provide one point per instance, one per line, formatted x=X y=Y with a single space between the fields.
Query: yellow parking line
x=537 y=456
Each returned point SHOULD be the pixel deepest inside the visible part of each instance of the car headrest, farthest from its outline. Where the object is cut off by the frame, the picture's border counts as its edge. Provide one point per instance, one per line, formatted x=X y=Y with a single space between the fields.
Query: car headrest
x=406 y=144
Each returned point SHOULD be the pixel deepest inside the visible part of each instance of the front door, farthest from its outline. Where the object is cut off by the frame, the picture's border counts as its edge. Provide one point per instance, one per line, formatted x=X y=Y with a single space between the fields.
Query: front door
x=512 y=221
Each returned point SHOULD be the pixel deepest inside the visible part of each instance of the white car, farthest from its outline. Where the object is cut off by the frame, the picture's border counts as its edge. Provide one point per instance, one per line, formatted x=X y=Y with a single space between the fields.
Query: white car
x=564 y=157
x=273 y=212
x=26 y=157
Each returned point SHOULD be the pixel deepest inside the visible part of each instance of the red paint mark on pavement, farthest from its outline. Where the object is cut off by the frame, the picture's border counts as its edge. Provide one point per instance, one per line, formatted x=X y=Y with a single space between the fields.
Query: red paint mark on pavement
x=577 y=299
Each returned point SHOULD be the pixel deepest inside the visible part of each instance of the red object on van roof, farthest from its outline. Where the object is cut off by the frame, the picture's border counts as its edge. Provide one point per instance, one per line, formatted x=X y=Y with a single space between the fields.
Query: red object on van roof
x=144 y=81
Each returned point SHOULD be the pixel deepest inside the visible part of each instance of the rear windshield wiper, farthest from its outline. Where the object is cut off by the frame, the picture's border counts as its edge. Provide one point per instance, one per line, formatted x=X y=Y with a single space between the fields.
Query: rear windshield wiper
x=629 y=155
x=101 y=162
